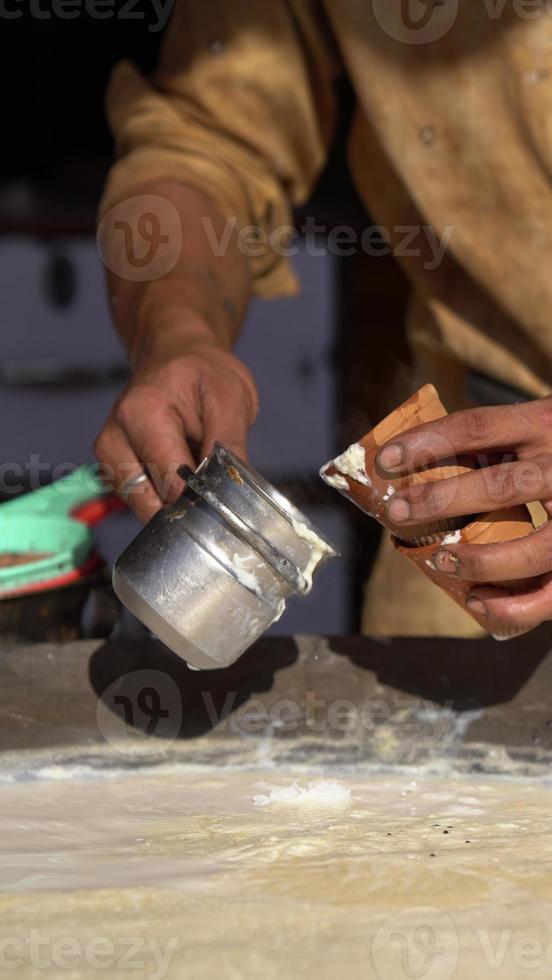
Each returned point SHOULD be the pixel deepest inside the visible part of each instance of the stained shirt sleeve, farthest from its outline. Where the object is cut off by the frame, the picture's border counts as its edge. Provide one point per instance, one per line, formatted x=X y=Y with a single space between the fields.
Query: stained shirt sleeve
x=242 y=107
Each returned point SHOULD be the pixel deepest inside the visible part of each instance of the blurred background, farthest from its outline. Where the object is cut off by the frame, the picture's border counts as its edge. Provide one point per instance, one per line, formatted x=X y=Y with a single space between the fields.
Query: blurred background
x=61 y=365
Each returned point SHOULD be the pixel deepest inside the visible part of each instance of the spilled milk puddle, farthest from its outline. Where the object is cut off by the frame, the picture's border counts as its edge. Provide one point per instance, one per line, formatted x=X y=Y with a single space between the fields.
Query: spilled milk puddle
x=210 y=874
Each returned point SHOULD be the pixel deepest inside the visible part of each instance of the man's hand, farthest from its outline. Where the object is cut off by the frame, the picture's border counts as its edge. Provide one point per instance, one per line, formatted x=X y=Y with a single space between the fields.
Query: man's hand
x=520 y=437
x=172 y=412
x=187 y=390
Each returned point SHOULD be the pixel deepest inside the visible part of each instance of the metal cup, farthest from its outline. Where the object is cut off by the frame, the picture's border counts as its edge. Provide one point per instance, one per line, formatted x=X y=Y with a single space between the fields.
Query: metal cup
x=210 y=573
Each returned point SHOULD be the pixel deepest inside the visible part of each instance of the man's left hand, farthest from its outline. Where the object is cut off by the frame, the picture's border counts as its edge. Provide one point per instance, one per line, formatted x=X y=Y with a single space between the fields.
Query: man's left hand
x=521 y=437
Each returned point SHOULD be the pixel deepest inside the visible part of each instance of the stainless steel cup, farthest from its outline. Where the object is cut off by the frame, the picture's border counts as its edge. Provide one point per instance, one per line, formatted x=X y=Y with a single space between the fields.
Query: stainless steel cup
x=210 y=573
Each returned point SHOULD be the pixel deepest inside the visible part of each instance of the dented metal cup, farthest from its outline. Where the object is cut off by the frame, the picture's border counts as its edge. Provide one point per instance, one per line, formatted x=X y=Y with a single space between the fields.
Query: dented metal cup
x=209 y=574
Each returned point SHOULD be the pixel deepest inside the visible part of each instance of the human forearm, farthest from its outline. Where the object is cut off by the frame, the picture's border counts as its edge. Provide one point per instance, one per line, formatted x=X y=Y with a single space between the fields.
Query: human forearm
x=203 y=296
x=187 y=389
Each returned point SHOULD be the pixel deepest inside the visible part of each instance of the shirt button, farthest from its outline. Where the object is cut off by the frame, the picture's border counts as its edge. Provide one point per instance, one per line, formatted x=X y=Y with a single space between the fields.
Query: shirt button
x=215 y=47
x=427 y=135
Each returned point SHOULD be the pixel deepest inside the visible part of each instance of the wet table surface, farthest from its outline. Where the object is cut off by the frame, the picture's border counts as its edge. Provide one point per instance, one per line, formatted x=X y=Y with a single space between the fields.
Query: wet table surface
x=325 y=807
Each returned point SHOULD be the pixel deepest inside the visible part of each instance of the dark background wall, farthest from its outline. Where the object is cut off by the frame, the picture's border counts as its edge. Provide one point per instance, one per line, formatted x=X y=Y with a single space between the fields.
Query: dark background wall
x=53 y=75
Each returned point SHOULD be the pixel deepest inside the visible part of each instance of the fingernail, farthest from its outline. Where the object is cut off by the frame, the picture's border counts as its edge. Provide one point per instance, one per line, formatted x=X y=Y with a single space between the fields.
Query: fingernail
x=391 y=457
x=398 y=510
x=447 y=562
x=476 y=606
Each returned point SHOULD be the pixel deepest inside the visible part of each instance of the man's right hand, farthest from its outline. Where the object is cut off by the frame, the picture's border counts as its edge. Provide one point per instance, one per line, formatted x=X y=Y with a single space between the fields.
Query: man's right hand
x=188 y=390
x=172 y=412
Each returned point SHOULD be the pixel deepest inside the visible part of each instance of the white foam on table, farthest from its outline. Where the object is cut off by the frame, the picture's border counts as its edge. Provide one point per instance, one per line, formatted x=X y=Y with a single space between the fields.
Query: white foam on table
x=317 y=794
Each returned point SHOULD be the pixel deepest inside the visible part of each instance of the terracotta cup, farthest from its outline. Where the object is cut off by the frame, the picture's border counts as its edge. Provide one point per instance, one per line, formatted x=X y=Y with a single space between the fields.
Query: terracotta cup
x=354 y=474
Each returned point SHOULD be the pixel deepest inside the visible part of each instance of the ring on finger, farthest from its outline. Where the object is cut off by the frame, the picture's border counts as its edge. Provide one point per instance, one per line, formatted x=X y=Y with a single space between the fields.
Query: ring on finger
x=132 y=483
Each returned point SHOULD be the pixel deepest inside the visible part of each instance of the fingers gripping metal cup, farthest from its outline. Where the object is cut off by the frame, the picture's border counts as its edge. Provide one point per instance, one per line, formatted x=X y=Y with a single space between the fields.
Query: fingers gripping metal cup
x=209 y=574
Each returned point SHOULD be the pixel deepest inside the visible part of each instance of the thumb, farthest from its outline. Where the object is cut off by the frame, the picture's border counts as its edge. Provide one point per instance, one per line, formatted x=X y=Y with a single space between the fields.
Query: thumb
x=227 y=418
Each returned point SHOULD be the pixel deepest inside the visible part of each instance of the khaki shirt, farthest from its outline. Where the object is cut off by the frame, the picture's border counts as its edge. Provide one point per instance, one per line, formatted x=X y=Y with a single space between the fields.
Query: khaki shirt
x=452 y=133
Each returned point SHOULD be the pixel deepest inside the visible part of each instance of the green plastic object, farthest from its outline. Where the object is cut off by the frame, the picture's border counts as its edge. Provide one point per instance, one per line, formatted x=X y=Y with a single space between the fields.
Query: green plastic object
x=66 y=544
x=59 y=498
x=39 y=523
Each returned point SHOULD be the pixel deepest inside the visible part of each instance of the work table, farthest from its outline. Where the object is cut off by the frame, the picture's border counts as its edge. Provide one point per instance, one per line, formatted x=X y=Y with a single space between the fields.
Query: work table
x=481 y=705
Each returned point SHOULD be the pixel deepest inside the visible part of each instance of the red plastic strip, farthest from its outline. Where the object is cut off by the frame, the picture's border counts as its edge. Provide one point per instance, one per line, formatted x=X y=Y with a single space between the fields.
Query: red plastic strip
x=69 y=578
x=94 y=511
